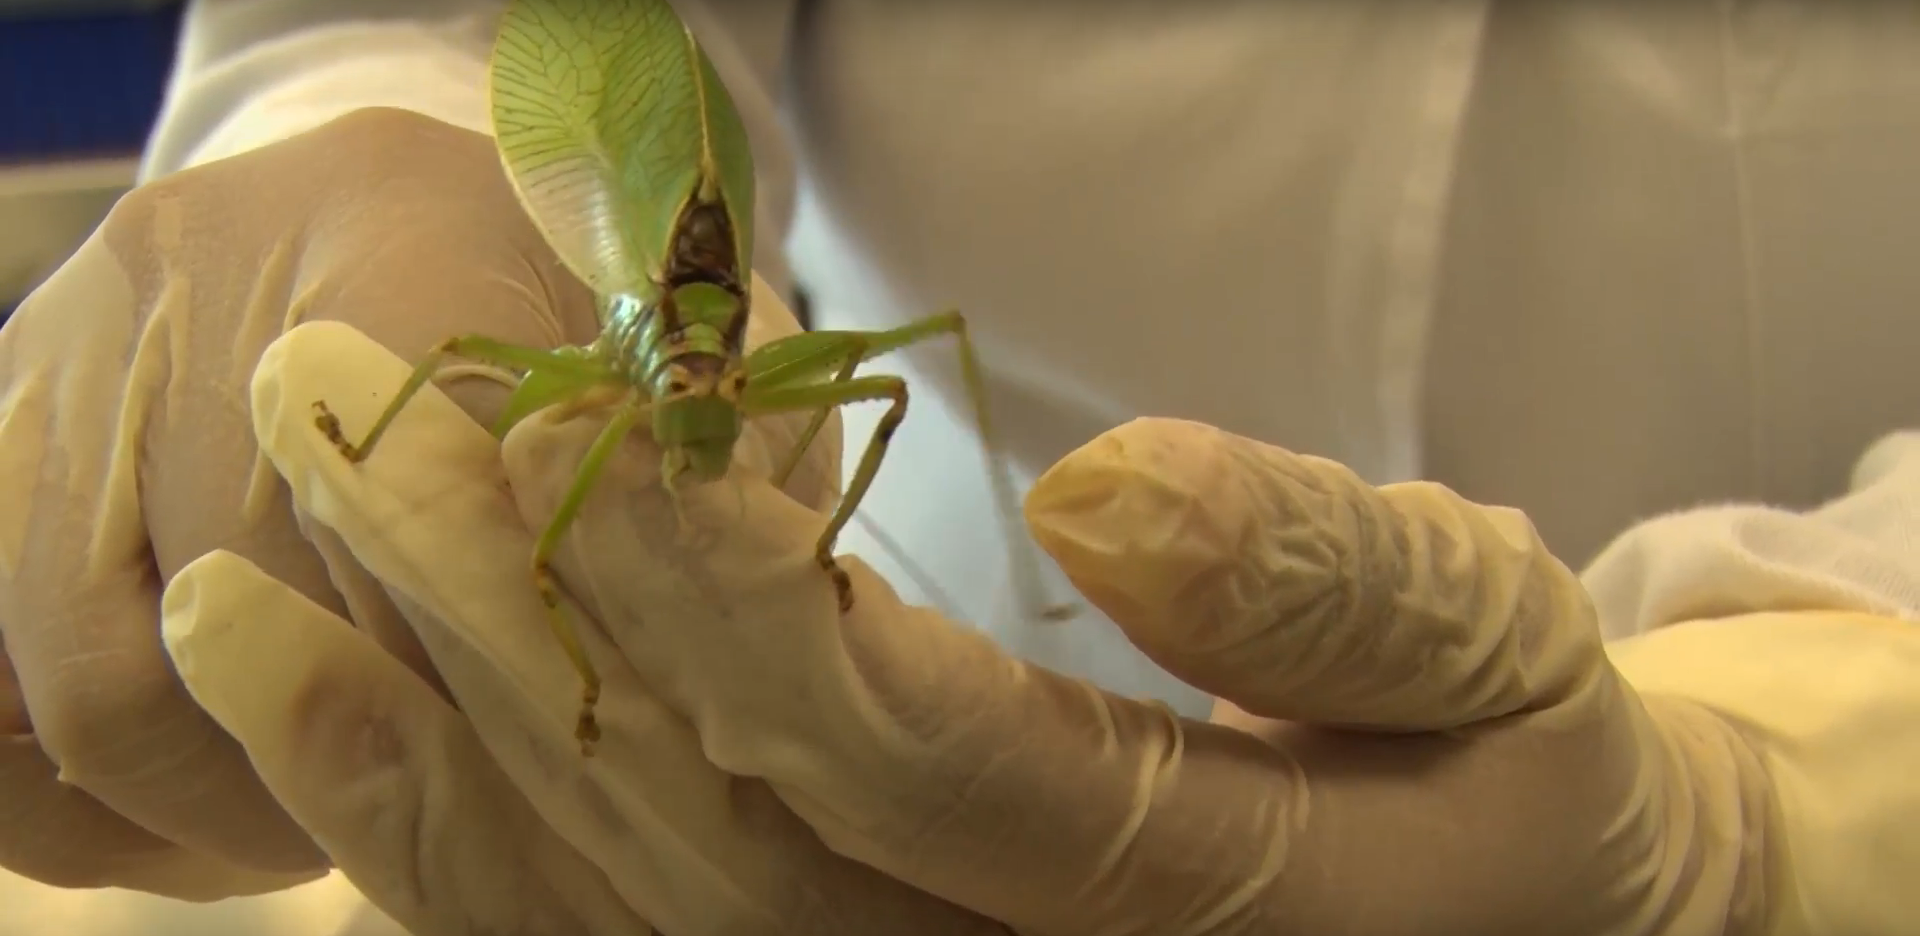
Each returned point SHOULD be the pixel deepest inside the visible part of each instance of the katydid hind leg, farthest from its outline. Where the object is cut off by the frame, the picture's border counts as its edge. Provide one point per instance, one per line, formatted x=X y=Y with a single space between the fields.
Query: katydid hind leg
x=789 y=364
x=598 y=455
x=800 y=360
x=1024 y=566
x=1023 y=558
x=840 y=393
x=853 y=350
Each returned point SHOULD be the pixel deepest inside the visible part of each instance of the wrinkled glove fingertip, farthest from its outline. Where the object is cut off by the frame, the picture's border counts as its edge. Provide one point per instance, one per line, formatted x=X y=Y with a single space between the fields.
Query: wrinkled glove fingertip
x=202 y=607
x=183 y=603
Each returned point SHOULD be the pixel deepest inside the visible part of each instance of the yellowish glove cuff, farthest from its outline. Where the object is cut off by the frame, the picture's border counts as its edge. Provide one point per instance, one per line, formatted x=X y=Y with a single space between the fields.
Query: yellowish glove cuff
x=1831 y=702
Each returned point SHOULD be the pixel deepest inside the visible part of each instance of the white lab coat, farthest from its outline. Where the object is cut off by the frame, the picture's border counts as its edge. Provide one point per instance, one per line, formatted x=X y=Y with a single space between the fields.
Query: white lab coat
x=1597 y=261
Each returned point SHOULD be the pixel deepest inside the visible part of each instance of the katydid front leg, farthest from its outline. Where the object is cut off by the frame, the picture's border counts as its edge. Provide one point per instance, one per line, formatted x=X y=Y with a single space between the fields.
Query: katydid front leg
x=575 y=369
x=552 y=377
x=586 y=728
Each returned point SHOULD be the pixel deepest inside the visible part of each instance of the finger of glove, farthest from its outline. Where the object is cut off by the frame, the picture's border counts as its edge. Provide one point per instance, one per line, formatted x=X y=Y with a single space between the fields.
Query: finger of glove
x=695 y=849
x=79 y=588
x=388 y=778
x=1290 y=587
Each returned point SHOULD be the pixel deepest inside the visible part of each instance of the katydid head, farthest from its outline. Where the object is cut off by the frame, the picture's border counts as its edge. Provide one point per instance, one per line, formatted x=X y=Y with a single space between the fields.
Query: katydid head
x=699 y=428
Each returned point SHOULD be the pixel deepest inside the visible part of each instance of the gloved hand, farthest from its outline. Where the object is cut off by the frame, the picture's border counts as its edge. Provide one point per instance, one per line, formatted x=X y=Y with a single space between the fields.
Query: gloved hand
x=126 y=453
x=1429 y=738
x=487 y=819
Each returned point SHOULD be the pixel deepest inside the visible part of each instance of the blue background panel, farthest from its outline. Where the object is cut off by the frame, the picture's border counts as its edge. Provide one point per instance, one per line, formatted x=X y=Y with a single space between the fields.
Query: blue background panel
x=82 y=84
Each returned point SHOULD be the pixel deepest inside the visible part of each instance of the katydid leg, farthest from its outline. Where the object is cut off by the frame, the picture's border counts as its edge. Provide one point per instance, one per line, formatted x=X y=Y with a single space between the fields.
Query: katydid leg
x=854 y=352
x=586 y=728
x=1025 y=568
x=582 y=379
x=801 y=358
x=796 y=359
x=472 y=347
x=804 y=358
x=828 y=395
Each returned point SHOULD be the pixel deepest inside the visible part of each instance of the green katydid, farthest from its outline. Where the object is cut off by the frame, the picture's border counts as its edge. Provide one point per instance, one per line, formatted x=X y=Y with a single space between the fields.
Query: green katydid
x=626 y=151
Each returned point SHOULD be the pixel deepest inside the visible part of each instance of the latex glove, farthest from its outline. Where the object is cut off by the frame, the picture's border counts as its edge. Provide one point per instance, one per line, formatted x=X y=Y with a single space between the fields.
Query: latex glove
x=487 y=819
x=126 y=453
x=1497 y=777
x=1501 y=778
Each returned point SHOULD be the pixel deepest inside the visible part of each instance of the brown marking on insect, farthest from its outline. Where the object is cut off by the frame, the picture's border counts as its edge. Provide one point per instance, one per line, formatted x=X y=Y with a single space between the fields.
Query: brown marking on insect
x=703 y=251
x=702 y=248
x=697 y=373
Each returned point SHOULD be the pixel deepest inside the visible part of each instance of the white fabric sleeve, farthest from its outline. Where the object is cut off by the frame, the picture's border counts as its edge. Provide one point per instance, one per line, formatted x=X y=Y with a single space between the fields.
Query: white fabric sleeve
x=1860 y=552
x=1798 y=629
x=247 y=74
